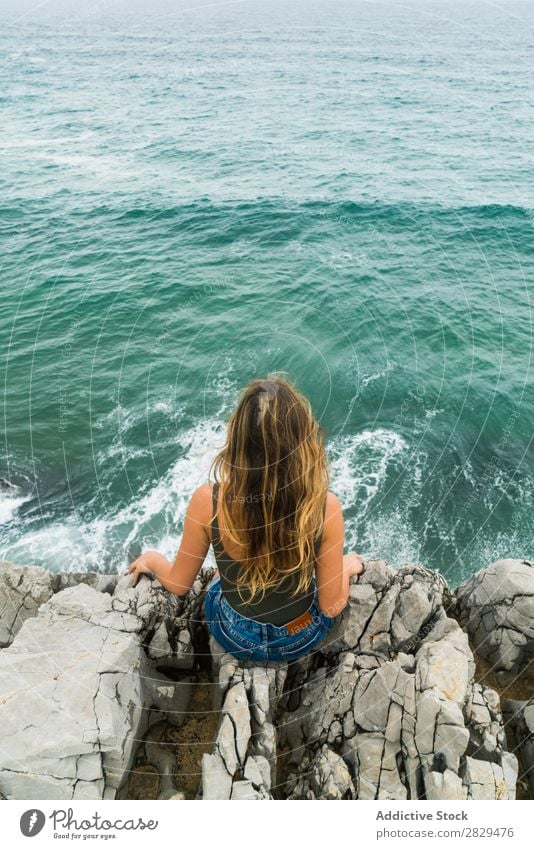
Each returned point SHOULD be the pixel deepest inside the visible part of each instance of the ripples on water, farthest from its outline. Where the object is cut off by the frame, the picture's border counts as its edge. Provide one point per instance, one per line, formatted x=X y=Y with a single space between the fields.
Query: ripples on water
x=191 y=198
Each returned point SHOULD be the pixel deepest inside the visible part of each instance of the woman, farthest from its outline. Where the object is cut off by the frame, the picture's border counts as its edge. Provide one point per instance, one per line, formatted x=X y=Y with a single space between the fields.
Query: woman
x=277 y=532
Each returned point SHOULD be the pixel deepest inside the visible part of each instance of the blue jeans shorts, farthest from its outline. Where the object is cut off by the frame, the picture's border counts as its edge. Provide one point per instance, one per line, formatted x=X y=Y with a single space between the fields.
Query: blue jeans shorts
x=248 y=639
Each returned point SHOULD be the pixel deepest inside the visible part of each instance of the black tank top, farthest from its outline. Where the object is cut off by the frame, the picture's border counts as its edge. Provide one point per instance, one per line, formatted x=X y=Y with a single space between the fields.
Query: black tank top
x=277 y=606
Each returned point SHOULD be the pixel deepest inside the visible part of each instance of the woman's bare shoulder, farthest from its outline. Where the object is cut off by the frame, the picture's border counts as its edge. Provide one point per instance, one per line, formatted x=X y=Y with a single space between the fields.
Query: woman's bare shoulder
x=201 y=502
x=333 y=516
x=204 y=491
x=333 y=504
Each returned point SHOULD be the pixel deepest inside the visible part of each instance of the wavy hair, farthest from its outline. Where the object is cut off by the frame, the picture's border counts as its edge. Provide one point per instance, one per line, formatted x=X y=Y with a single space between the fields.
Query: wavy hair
x=273 y=476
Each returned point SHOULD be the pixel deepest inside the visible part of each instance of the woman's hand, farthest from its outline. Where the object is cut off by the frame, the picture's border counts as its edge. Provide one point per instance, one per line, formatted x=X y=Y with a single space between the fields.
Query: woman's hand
x=137 y=568
x=353 y=563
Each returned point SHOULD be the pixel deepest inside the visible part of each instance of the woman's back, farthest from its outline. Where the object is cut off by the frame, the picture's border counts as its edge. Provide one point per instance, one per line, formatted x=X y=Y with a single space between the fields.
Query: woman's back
x=272 y=506
x=278 y=605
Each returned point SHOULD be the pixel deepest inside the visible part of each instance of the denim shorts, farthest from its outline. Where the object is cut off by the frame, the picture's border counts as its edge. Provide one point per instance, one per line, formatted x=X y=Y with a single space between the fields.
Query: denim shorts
x=248 y=639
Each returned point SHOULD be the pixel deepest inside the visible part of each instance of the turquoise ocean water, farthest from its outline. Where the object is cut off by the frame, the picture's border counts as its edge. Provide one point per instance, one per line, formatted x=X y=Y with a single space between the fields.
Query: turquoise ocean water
x=197 y=194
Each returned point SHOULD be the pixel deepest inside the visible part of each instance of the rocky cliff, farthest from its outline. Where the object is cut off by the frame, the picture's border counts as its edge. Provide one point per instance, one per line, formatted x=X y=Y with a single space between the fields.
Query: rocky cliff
x=109 y=691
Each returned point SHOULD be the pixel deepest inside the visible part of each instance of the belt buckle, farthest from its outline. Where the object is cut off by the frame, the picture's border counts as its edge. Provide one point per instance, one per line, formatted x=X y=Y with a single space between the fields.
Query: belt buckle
x=299 y=623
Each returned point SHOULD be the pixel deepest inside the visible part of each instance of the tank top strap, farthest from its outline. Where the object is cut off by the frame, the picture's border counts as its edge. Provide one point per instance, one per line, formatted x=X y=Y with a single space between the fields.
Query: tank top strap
x=215 y=535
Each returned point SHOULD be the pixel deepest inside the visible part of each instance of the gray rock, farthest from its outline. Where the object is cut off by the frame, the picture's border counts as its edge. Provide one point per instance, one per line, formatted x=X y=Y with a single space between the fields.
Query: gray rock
x=75 y=686
x=24 y=588
x=97 y=580
x=445 y=664
x=496 y=607
x=520 y=718
x=216 y=780
x=247 y=695
x=326 y=777
x=22 y=591
x=486 y=780
x=377 y=769
x=486 y=731
x=387 y=708
x=399 y=719
x=236 y=710
x=258 y=771
x=245 y=790
x=389 y=609
x=444 y=785
x=375 y=694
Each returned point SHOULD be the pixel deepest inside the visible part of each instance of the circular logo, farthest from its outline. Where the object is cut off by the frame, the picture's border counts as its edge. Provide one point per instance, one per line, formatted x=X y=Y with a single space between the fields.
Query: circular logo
x=31 y=822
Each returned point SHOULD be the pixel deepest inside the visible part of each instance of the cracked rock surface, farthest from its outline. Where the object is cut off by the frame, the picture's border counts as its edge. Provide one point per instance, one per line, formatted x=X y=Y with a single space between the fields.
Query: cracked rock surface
x=496 y=608
x=242 y=764
x=386 y=708
x=22 y=591
x=79 y=687
x=520 y=715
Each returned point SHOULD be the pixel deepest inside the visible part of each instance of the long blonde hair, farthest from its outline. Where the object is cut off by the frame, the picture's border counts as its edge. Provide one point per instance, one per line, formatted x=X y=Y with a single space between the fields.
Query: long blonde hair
x=274 y=477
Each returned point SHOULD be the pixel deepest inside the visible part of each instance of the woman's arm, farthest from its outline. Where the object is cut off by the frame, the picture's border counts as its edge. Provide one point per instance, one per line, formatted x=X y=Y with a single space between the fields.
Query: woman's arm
x=178 y=577
x=334 y=570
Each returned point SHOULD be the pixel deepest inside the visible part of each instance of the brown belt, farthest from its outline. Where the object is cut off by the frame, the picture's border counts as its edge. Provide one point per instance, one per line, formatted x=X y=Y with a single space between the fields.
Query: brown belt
x=299 y=623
